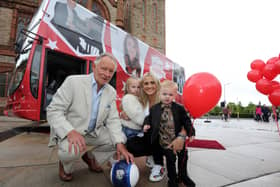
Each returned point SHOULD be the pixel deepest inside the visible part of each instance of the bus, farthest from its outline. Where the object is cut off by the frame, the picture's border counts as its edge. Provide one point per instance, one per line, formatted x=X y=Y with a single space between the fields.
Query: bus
x=64 y=38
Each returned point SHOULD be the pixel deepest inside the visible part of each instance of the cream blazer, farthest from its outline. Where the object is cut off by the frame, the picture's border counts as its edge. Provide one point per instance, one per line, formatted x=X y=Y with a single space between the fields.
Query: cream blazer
x=71 y=109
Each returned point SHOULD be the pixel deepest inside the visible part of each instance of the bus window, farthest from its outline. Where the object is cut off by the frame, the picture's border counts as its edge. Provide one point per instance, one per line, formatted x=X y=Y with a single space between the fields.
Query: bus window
x=35 y=71
x=90 y=66
x=18 y=71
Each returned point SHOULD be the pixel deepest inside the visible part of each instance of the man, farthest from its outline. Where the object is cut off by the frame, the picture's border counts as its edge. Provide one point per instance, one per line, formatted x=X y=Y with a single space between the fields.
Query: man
x=83 y=113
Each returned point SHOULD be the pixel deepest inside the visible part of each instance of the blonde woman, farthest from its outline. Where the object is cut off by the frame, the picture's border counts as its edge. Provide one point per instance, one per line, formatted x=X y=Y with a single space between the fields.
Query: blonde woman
x=149 y=91
x=149 y=96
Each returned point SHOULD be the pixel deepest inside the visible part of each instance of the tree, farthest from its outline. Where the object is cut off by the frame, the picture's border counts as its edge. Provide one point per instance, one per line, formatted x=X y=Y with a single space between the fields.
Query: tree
x=237 y=110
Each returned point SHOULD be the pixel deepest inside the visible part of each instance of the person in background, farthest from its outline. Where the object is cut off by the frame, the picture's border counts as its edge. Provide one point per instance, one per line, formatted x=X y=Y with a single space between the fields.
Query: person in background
x=84 y=119
x=165 y=122
x=226 y=112
x=266 y=113
x=258 y=113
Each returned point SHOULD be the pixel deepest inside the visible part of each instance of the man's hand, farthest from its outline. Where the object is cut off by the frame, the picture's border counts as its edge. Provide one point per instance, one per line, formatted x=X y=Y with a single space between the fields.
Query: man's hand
x=177 y=144
x=76 y=139
x=121 y=150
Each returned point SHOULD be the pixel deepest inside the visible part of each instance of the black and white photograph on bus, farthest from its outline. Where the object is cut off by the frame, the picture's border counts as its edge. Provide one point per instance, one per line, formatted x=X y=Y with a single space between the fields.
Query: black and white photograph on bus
x=133 y=52
x=179 y=77
x=132 y=56
x=82 y=29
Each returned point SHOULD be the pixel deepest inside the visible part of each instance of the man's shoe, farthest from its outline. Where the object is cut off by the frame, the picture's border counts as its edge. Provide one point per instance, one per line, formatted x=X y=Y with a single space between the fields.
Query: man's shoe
x=62 y=175
x=157 y=173
x=92 y=165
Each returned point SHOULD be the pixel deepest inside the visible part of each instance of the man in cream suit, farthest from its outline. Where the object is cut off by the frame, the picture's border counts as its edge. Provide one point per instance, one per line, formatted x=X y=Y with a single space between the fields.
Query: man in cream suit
x=83 y=113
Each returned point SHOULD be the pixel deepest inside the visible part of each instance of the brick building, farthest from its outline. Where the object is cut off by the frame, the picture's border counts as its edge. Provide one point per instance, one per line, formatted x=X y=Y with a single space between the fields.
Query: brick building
x=144 y=19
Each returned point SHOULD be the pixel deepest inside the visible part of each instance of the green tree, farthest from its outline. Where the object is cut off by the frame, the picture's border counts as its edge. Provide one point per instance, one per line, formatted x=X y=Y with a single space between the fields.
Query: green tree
x=237 y=110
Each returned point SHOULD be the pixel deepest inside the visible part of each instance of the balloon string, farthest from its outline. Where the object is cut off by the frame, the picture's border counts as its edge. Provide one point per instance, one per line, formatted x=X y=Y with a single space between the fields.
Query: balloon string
x=186 y=146
x=190 y=134
x=276 y=119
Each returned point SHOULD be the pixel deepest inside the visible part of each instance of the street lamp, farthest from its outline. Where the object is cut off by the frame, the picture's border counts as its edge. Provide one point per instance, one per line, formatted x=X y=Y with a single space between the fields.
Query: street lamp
x=225 y=91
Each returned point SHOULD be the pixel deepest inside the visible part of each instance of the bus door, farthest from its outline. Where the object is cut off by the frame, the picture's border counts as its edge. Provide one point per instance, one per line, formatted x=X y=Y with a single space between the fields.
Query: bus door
x=24 y=85
x=56 y=68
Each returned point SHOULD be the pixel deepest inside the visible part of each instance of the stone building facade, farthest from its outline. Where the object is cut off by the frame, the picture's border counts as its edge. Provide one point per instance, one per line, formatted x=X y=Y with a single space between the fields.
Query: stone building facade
x=144 y=19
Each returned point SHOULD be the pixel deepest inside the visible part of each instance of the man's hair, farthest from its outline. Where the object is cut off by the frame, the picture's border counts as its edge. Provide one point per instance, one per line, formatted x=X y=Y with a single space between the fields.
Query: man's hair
x=169 y=84
x=106 y=54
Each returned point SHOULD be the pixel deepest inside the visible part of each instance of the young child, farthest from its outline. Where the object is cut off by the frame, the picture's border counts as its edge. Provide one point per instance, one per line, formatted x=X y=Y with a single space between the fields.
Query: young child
x=166 y=122
x=132 y=108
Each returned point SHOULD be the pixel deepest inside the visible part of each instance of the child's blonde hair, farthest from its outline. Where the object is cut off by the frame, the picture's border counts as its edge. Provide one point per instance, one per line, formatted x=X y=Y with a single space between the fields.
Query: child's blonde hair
x=169 y=84
x=128 y=82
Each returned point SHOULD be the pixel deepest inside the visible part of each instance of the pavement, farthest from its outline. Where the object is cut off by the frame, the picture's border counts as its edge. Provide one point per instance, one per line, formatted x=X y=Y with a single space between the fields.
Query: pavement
x=251 y=157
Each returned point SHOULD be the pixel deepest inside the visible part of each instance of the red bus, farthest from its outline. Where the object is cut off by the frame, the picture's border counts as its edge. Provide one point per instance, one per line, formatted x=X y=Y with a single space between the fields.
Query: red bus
x=64 y=38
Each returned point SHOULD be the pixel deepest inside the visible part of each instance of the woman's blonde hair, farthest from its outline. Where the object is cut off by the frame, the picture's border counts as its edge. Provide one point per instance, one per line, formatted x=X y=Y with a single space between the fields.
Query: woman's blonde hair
x=144 y=99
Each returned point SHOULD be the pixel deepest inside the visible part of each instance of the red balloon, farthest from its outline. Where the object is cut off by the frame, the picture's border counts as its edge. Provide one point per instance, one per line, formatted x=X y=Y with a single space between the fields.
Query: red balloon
x=274 y=97
x=269 y=71
x=272 y=60
x=201 y=93
x=264 y=86
x=257 y=64
x=254 y=75
x=277 y=66
x=275 y=85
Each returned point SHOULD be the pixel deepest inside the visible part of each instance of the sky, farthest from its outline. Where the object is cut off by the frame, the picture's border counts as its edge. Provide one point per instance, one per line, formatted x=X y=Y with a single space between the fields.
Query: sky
x=223 y=37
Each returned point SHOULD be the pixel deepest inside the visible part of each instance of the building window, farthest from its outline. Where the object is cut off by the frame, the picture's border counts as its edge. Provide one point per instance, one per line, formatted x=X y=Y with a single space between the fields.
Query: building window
x=4 y=79
x=22 y=22
x=155 y=25
x=18 y=72
x=82 y=2
x=96 y=9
